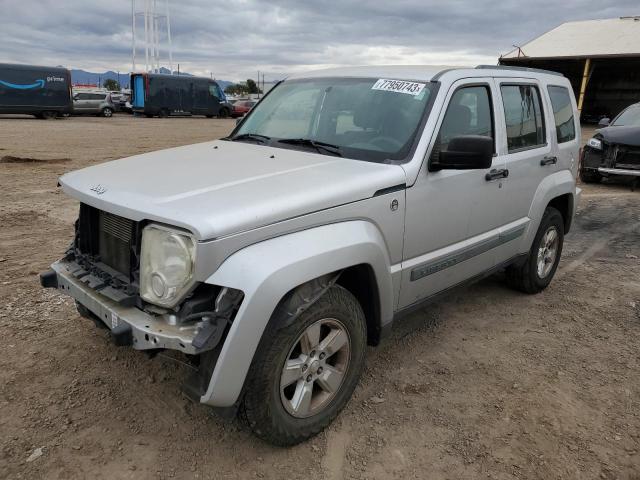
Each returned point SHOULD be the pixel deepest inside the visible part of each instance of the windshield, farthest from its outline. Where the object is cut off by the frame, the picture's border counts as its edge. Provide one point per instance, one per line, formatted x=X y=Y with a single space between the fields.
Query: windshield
x=629 y=117
x=362 y=118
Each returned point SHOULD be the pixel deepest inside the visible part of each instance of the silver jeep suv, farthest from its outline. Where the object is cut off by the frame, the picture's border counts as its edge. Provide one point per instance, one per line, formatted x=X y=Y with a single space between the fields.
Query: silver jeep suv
x=344 y=200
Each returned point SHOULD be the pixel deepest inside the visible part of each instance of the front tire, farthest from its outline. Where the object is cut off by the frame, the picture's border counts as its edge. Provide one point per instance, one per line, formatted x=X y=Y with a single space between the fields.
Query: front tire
x=224 y=113
x=107 y=112
x=305 y=371
x=536 y=273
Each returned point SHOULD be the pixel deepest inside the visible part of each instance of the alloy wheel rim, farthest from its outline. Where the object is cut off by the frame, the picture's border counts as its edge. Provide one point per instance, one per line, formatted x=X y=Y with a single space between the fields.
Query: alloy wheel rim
x=548 y=251
x=315 y=368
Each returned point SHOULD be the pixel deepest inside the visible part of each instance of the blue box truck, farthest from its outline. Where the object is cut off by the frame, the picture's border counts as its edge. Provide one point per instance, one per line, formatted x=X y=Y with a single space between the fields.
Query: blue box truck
x=156 y=94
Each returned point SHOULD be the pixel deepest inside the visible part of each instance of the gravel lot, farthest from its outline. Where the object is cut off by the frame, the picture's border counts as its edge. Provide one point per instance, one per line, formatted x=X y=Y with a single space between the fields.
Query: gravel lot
x=489 y=383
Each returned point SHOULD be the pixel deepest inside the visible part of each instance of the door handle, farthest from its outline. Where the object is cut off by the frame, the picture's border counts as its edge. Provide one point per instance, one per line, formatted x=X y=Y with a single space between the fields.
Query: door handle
x=496 y=173
x=548 y=161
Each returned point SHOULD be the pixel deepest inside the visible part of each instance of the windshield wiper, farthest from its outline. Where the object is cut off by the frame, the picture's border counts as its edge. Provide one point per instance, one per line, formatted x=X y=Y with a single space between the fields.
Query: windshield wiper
x=250 y=136
x=319 y=146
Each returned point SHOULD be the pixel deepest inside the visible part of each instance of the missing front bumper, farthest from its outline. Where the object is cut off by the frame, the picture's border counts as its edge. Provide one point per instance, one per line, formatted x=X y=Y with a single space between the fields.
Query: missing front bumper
x=128 y=325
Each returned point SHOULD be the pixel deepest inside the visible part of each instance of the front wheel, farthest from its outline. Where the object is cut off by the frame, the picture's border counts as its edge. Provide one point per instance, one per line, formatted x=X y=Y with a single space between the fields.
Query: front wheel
x=305 y=371
x=536 y=273
x=224 y=113
x=107 y=112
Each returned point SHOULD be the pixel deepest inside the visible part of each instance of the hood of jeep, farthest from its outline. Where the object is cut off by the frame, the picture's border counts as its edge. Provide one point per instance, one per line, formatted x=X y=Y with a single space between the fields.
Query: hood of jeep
x=220 y=188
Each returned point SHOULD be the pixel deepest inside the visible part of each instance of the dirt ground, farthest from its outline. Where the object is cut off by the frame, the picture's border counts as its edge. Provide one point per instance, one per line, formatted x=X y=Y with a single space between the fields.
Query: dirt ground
x=489 y=383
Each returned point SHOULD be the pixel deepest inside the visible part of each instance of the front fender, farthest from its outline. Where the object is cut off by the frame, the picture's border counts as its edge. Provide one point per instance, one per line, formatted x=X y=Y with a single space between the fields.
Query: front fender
x=266 y=271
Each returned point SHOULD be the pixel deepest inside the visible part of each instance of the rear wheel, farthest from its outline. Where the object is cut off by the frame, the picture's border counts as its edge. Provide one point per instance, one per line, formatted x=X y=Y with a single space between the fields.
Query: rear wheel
x=107 y=112
x=48 y=115
x=164 y=113
x=536 y=273
x=304 y=372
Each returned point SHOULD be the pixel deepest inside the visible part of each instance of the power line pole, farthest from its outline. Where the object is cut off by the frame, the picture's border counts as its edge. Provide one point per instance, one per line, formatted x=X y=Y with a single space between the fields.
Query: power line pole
x=157 y=31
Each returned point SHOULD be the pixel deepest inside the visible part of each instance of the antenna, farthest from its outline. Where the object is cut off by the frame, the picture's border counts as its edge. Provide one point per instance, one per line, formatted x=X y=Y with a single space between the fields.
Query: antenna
x=154 y=19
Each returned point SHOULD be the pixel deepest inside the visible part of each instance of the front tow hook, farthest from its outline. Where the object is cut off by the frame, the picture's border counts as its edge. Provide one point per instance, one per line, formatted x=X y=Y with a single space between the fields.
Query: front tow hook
x=49 y=279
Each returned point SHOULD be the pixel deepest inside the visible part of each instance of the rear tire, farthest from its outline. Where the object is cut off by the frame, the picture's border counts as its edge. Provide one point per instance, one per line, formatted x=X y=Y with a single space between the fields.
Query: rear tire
x=296 y=361
x=589 y=176
x=48 y=115
x=536 y=273
x=163 y=113
x=107 y=112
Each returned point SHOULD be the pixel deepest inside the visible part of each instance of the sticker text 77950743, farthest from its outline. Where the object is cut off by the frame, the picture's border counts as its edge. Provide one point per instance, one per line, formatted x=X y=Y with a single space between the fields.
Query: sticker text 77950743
x=398 y=86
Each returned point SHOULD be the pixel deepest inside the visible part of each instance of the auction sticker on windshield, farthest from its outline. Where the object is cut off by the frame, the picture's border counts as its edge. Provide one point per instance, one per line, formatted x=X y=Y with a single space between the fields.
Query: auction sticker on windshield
x=398 y=86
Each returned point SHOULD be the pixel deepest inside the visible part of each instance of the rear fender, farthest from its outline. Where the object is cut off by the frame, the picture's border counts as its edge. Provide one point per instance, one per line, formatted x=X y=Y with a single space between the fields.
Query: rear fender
x=554 y=185
x=267 y=271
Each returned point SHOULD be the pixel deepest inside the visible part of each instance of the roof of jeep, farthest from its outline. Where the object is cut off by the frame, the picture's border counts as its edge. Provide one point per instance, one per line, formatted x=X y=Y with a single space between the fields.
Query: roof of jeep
x=425 y=73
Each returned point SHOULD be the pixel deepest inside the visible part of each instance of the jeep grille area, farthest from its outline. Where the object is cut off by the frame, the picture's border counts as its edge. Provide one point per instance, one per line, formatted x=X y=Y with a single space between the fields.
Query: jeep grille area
x=108 y=245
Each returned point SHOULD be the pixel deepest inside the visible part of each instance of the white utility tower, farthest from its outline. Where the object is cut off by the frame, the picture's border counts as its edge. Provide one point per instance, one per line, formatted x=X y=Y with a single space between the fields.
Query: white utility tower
x=153 y=17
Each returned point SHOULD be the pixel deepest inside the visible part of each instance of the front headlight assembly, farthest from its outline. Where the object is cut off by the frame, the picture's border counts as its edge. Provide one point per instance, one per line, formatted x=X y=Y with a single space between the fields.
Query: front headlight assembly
x=595 y=143
x=166 y=265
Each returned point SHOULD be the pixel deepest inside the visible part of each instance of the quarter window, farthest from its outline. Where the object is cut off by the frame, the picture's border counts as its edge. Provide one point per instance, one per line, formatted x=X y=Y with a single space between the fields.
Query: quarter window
x=562 y=113
x=469 y=113
x=523 y=116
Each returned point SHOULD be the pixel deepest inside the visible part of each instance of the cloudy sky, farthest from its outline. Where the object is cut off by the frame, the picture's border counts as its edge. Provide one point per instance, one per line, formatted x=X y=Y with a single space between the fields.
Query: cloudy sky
x=236 y=38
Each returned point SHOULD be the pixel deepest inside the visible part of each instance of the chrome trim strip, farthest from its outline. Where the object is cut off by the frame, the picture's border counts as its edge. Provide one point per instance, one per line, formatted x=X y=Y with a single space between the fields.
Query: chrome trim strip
x=434 y=266
x=619 y=171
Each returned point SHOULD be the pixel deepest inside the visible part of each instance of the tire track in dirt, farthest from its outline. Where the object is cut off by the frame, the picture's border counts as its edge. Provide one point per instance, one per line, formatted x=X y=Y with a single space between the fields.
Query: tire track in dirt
x=334 y=458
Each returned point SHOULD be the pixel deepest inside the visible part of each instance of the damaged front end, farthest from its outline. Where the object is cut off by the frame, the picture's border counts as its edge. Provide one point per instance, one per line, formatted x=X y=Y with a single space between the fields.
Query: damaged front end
x=602 y=157
x=101 y=271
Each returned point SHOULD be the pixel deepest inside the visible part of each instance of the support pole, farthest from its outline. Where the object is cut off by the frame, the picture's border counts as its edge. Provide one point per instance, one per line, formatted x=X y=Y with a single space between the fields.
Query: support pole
x=146 y=35
x=133 y=35
x=169 y=37
x=583 y=85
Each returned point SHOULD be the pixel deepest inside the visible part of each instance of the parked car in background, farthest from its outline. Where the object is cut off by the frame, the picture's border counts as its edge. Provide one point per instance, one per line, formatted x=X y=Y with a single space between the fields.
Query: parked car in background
x=44 y=92
x=242 y=107
x=346 y=199
x=93 y=103
x=119 y=100
x=161 y=95
x=614 y=149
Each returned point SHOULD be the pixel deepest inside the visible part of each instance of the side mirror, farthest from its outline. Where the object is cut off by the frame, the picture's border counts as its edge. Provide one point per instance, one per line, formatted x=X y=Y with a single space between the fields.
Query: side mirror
x=466 y=152
x=604 y=122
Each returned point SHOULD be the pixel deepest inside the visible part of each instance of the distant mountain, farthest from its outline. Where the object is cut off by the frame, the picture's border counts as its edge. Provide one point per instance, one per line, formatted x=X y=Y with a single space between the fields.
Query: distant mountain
x=84 y=77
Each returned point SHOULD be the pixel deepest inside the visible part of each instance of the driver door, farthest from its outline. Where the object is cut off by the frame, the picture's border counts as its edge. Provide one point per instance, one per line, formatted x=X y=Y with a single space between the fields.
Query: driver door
x=453 y=216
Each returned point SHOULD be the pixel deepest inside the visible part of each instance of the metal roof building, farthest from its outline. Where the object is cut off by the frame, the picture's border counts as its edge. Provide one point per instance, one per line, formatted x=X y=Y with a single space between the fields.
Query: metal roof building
x=601 y=58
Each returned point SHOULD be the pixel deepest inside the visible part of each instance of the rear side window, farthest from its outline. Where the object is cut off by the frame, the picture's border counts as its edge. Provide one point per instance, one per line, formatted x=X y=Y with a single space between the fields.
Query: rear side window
x=523 y=116
x=562 y=113
x=468 y=113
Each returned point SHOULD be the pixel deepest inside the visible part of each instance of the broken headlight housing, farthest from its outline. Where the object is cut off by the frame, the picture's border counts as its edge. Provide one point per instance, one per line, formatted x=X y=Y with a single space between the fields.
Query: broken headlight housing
x=166 y=265
x=595 y=143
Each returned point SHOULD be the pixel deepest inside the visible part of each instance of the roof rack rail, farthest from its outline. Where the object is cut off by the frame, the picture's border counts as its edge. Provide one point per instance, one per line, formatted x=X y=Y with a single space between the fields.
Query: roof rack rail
x=520 y=69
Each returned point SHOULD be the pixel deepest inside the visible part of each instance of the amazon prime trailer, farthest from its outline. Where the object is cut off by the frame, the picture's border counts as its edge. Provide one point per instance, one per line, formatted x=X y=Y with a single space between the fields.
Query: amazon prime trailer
x=41 y=91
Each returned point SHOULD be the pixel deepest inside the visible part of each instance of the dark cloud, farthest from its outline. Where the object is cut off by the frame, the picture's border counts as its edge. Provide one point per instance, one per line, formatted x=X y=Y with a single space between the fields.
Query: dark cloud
x=235 y=39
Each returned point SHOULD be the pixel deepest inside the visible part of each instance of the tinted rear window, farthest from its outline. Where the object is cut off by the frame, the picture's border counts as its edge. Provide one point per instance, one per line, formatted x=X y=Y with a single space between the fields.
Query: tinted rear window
x=562 y=113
